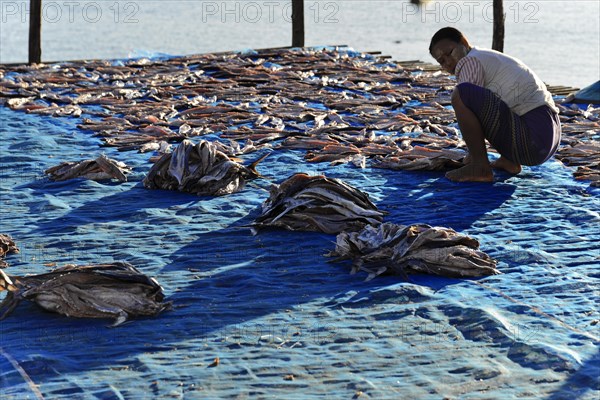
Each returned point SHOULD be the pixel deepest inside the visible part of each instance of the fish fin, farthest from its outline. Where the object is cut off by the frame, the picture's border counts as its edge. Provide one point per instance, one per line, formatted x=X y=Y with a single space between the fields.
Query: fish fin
x=167 y=306
x=121 y=319
x=376 y=273
x=252 y=167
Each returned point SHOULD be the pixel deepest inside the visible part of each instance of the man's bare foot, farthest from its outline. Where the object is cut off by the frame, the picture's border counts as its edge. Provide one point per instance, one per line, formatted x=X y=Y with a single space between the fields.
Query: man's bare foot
x=506 y=165
x=471 y=173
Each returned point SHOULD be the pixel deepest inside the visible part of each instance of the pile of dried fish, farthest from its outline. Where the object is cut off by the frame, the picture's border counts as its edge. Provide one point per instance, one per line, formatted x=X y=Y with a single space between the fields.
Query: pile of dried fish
x=7 y=246
x=200 y=169
x=100 y=169
x=115 y=290
x=317 y=203
x=391 y=248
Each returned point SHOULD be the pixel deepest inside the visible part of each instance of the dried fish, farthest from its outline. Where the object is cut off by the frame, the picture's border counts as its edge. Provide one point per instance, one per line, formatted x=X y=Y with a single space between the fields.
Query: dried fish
x=161 y=147
x=589 y=174
x=312 y=98
x=422 y=158
x=317 y=203
x=579 y=153
x=235 y=148
x=200 y=169
x=399 y=249
x=102 y=168
x=116 y=290
x=7 y=246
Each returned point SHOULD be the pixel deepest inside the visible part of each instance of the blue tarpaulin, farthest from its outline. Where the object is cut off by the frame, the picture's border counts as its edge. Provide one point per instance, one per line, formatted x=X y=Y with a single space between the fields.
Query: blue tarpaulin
x=589 y=94
x=283 y=321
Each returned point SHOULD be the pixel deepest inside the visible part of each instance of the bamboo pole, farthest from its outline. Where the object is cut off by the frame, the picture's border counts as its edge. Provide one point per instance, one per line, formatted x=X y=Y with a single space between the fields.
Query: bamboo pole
x=498 y=35
x=35 y=31
x=297 y=23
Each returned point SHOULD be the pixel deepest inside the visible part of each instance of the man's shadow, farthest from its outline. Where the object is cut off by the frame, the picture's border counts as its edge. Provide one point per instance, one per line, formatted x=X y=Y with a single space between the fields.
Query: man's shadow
x=430 y=198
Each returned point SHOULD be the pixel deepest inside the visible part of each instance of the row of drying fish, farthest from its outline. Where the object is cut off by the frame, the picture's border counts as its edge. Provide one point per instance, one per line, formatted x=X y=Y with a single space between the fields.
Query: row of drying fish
x=210 y=168
x=335 y=103
x=580 y=141
x=116 y=290
x=308 y=93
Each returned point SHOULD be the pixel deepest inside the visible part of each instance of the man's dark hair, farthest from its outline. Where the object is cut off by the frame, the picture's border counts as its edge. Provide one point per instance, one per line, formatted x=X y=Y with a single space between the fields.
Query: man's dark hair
x=448 y=33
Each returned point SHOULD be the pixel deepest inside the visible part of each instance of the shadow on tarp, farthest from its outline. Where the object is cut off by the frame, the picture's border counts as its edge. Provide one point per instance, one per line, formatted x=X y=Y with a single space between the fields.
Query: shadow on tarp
x=227 y=282
x=219 y=291
x=580 y=382
x=120 y=206
x=430 y=198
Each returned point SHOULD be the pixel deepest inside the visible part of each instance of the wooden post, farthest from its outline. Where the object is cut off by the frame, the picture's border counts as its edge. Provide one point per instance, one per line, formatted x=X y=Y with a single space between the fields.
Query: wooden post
x=297 y=23
x=35 y=31
x=499 y=16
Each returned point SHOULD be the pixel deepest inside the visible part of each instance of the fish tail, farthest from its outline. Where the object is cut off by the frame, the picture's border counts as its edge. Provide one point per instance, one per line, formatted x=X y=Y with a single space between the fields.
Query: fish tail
x=252 y=167
x=6 y=283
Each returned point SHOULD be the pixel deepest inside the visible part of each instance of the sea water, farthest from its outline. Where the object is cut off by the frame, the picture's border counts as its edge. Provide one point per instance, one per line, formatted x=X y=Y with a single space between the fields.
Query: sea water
x=560 y=40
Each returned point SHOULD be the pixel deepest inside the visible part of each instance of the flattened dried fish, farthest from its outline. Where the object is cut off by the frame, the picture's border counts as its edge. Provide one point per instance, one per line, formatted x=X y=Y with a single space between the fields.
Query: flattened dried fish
x=586 y=156
x=392 y=248
x=317 y=203
x=200 y=169
x=115 y=290
x=102 y=168
x=591 y=173
x=422 y=158
x=579 y=153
